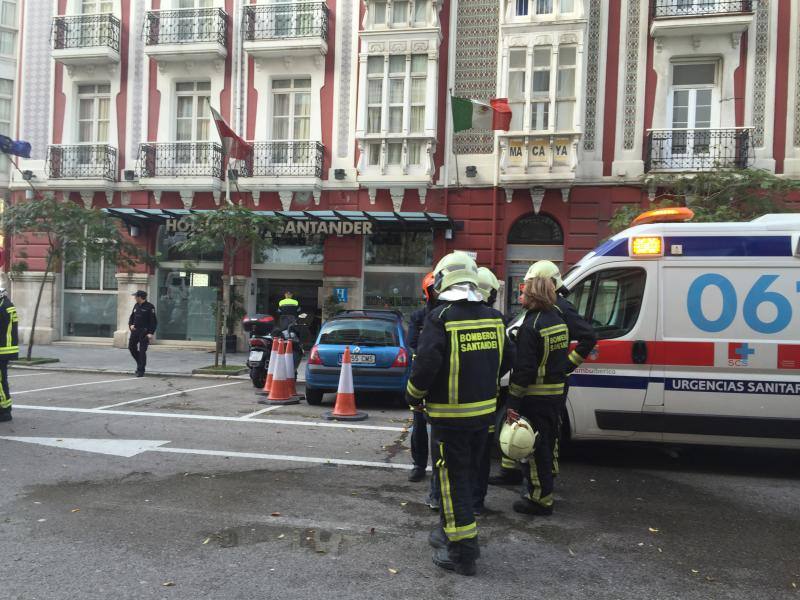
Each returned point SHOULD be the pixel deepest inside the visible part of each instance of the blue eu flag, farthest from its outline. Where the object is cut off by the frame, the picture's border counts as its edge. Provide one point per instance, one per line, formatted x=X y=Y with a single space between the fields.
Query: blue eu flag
x=15 y=147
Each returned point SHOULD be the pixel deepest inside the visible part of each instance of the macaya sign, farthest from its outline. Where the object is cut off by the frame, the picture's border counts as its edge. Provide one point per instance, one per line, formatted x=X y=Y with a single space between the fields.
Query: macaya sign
x=293 y=227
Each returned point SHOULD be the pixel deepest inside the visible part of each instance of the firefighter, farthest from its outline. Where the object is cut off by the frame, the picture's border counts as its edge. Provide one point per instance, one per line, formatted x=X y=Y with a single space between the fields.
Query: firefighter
x=536 y=388
x=288 y=310
x=419 y=427
x=9 y=350
x=488 y=285
x=580 y=330
x=142 y=324
x=456 y=371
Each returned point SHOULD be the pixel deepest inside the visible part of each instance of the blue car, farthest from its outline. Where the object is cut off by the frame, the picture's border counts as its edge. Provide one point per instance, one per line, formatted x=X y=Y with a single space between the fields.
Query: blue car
x=381 y=360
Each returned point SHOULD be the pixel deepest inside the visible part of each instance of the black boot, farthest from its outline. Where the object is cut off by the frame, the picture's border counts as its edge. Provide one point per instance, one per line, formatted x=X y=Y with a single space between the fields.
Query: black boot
x=417 y=474
x=526 y=507
x=437 y=538
x=443 y=559
x=507 y=477
x=5 y=415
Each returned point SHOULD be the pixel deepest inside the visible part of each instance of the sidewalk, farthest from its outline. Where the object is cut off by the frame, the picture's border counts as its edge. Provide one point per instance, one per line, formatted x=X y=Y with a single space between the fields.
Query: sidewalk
x=107 y=359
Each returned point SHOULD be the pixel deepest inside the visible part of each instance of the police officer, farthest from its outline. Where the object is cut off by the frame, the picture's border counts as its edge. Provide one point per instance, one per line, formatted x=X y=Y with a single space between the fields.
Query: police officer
x=488 y=285
x=142 y=324
x=9 y=350
x=288 y=309
x=419 y=426
x=459 y=358
x=580 y=330
x=536 y=388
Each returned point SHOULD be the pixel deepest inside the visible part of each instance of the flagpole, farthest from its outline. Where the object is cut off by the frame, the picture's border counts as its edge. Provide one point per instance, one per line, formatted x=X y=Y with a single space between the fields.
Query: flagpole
x=448 y=119
x=228 y=179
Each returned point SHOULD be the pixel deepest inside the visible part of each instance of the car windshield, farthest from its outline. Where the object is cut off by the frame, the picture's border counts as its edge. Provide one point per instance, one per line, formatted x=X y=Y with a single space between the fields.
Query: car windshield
x=365 y=332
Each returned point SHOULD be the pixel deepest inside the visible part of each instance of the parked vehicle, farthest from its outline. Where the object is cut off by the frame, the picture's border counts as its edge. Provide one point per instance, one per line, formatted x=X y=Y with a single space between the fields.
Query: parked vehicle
x=263 y=329
x=381 y=360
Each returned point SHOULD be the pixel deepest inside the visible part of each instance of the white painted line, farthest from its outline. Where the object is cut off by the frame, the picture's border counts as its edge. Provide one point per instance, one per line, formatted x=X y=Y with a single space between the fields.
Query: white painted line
x=260 y=412
x=207 y=387
x=131 y=413
x=288 y=458
x=60 y=387
x=30 y=375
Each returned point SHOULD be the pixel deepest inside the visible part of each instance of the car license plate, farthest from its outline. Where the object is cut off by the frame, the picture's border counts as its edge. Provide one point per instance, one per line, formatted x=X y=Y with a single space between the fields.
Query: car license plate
x=255 y=355
x=360 y=359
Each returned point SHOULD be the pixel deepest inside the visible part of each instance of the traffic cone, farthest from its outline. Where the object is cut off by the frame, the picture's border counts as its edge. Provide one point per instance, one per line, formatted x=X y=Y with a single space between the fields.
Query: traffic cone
x=280 y=392
x=345 y=407
x=273 y=355
x=289 y=358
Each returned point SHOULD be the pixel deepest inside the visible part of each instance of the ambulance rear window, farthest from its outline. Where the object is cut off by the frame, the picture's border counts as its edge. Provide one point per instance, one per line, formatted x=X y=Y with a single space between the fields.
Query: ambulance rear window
x=610 y=300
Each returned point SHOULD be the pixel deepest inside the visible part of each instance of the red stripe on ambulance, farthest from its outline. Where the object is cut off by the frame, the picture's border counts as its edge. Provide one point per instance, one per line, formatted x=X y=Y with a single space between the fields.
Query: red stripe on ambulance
x=677 y=354
x=788 y=356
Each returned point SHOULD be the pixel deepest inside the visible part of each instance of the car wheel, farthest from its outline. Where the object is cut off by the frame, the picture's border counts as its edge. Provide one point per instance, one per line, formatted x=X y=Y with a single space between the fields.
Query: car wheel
x=314 y=397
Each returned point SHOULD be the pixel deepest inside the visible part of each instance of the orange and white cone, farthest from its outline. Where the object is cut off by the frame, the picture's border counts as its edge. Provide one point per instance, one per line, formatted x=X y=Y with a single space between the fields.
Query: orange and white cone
x=273 y=356
x=289 y=365
x=345 y=407
x=280 y=392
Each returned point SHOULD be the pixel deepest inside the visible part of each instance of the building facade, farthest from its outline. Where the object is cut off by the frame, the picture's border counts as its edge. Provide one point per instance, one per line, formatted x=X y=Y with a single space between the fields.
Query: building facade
x=347 y=106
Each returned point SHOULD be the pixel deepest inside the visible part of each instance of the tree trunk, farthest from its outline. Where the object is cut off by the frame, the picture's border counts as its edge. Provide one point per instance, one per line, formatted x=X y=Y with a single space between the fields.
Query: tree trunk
x=38 y=302
x=226 y=300
x=217 y=334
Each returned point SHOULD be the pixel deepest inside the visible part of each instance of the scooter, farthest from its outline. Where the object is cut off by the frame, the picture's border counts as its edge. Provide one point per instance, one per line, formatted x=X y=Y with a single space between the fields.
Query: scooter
x=260 y=328
x=291 y=333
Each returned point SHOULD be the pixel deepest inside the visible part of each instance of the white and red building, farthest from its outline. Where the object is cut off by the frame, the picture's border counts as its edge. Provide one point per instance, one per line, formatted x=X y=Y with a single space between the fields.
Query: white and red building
x=346 y=104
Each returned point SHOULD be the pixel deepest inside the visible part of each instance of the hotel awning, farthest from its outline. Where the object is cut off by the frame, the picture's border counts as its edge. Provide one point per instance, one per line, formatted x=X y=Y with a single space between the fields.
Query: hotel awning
x=409 y=221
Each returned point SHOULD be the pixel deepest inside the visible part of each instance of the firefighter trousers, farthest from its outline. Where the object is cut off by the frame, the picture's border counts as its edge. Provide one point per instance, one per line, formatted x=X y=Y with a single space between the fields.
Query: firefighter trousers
x=5 y=392
x=419 y=440
x=457 y=454
x=544 y=414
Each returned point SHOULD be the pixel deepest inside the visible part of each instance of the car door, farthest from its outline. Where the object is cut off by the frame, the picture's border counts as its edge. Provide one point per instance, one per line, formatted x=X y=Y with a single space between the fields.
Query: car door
x=609 y=393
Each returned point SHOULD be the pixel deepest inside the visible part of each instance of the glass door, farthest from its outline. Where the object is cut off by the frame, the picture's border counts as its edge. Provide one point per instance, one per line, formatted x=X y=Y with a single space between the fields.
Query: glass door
x=192 y=122
x=692 y=112
x=94 y=104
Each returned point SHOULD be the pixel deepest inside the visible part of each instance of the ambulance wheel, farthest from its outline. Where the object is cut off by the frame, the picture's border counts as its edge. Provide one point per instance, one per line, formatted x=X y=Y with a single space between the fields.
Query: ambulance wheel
x=258 y=376
x=314 y=397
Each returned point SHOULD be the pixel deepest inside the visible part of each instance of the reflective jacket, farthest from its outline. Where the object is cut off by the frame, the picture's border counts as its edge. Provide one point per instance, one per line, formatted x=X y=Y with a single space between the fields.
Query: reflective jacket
x=289 y=307
x=580 y=330
x=541 y=364
x=9 y=339
x=458 y=365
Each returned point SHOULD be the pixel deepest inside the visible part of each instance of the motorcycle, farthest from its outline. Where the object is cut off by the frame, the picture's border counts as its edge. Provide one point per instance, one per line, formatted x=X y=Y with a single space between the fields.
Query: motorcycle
x=262 y=330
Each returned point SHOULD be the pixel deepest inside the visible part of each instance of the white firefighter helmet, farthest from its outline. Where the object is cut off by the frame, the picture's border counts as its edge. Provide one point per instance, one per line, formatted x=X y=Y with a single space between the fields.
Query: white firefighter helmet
x=545 y=268
x=487 y=282
x=456 y=278
x=517 y=439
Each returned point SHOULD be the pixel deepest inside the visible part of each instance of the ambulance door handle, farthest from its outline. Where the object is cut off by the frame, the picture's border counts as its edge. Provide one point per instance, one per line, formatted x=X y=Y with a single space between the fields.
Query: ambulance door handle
x=639 y=352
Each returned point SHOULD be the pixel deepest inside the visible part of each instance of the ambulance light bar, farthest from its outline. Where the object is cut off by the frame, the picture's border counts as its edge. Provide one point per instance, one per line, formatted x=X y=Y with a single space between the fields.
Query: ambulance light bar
x=647 y=246
x=664 y=215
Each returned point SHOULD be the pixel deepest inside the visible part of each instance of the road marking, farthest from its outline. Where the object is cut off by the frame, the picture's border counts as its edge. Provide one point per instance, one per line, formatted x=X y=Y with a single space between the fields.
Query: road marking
x=60 y=387
x=30 y=375
x=260 y=412
x=207 y=387
x=131 y=448
x=132 y=413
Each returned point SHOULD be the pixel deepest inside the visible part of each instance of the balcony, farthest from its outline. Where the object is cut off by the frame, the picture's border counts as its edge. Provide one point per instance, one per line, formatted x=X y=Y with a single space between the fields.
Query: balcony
x=291 y=29
x=282 y=166
x=681 y=150
x=184 y=167
x=186 y=34
x=538 y=158
x=84 y=168
x=86 y=40
x=673 y=18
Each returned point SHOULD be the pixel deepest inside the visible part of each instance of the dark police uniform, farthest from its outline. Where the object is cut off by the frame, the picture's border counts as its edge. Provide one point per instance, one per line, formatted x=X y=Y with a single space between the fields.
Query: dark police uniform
x=536 y=391
x=143 y=319
x=289 y=310
x=457 y=367
x=9 y=350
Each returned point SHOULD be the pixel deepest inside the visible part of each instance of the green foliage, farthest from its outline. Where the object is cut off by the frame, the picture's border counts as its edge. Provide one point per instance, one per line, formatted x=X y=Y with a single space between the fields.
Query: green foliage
x=714 y=196
x=331 y=306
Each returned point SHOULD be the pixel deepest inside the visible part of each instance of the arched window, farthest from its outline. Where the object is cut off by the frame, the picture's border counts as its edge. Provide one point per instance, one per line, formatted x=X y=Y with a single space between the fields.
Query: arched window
x=538 y=230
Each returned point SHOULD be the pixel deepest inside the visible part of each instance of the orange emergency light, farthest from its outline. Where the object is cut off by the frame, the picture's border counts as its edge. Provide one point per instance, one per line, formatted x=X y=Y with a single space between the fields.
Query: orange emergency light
x=664 y=215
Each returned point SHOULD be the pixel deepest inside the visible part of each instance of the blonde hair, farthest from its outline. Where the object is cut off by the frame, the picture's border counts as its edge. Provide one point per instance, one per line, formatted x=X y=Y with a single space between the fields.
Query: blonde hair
x=540 y=292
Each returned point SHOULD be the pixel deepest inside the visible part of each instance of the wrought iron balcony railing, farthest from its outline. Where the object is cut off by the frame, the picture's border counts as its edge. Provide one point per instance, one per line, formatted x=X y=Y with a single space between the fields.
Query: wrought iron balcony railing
x=186 y=26
x=698 y=149
x=86 y=31
x=284 y=159
x=82 y=161
x=700 y=8
x=181 y=159
x=289 y=20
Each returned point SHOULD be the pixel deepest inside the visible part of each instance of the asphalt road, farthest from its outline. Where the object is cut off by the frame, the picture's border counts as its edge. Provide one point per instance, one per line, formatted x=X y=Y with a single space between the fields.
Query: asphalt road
x=176 y=488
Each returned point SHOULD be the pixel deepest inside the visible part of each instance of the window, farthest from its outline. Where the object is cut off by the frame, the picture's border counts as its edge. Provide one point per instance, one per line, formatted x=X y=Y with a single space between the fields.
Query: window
x=420 y=11
x=379 y=13
x=8 y=27
x=692 y=99
x=94 y=103
x=363 y=332
x=291 y=113
x=565 y=89
x=544 y=7
x=6 y=104
x=400 y=12
x=374 y=93
x=186 y=302
x=168 y=240
x=398 y=248
x=192 y=121
x=193 y=26
x=89 y=309
x=521 y=8
x=89 y=7
x=540 y=89
x=405 y=79
x=610 y=300
x=516 y=87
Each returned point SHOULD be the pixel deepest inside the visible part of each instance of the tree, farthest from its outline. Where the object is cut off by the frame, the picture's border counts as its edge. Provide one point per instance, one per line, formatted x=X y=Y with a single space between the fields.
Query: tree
x=72 y=233
x=234 y=228
x=714 y=196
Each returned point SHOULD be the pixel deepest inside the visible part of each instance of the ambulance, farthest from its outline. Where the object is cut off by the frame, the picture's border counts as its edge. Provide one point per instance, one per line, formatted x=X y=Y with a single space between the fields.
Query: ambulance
x=699 y=333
